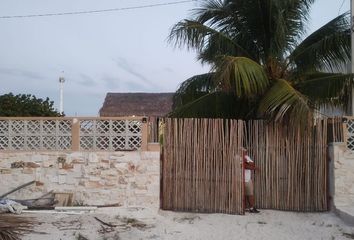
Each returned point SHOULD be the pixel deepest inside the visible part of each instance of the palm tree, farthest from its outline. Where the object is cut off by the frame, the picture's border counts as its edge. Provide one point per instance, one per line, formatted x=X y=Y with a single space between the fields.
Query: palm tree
x=260 y=66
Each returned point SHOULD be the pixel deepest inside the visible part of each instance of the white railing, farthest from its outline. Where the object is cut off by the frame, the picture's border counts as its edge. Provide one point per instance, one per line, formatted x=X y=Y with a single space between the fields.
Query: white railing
x=91 y=134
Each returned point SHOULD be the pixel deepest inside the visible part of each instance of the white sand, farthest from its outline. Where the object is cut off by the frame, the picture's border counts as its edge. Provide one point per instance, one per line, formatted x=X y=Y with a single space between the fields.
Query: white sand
x=157 y=224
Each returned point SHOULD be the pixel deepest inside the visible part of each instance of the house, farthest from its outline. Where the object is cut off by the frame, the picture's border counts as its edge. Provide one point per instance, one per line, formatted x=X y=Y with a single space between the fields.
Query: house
x=151 y=105
x=136 y=104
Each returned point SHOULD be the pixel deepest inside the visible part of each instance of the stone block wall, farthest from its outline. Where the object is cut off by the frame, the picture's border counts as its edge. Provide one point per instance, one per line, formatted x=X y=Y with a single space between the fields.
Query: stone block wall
x=95 y=178
x=343 y=175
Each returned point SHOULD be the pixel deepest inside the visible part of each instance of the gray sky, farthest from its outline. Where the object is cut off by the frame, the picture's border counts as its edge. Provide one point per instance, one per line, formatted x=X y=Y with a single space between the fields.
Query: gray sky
x=124 y=51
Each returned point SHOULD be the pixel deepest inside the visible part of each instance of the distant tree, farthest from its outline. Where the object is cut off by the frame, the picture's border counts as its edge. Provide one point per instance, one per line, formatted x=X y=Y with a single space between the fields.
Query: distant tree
x=26 y=105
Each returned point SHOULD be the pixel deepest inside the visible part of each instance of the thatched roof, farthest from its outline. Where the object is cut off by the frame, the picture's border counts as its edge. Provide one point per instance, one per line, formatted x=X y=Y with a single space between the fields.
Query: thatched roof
x=138 y=104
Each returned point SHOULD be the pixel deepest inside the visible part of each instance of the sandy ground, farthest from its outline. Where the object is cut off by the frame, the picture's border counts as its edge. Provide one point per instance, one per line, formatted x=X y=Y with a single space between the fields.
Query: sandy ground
x=144 y=223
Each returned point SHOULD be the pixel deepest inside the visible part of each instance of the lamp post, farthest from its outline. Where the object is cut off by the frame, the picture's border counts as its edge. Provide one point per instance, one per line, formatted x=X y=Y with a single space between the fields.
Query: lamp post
x=61 y=105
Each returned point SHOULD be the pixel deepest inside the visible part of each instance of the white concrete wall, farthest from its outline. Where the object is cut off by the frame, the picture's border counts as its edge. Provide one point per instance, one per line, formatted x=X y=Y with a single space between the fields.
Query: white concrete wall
x=343 y=179
x=128 y=178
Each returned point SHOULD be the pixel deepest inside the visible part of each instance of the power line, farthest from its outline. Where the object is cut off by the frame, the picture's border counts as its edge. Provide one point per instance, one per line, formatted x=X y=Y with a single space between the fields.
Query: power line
x=96 y=11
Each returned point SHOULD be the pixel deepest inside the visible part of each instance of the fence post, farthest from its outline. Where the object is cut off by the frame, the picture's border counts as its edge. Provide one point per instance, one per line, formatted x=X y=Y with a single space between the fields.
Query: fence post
x=75 y=135
x=144 y=134
x=345 y=131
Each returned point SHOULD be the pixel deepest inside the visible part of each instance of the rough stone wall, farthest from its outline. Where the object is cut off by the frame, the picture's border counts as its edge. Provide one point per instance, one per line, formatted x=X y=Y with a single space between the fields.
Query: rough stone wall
x=128 y=178
x=343 y=180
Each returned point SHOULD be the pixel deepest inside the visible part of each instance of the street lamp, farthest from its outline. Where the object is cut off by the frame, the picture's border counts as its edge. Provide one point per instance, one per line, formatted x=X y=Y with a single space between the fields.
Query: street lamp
x=61 y=105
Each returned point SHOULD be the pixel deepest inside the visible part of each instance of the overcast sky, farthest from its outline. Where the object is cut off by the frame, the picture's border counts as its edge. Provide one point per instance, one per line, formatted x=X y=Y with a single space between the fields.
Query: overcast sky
x=123 y=51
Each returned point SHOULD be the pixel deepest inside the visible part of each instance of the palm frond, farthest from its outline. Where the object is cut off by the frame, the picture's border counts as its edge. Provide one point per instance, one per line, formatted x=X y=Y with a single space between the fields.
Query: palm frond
x=327 y=48
x=12 y=227
x=241 y=76
x=216 y=46
x=289 y=19
x=218 y=105
x=213 y=11
x=193 y=88
x=327 y=88
x=196 y=35
x=283 y=100
x=273 y=26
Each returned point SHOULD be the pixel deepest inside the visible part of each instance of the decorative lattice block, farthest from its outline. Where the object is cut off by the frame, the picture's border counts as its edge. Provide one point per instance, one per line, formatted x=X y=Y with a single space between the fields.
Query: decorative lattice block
x=350 y=140
x=4 y=142
x=17 y=127
x=4 y=127
x=64 y=143
x=110 y=134
x=64 y=127
x=86 y=142
x=34 y=142
x=87 y=127
x=33 y=127
x=17 y=142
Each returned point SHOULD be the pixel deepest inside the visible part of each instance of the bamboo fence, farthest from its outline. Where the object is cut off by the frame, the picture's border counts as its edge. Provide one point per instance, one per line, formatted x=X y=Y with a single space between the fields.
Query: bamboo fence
x=201 y=170
x=337 y=128
x=201 y=167
x=293 y=165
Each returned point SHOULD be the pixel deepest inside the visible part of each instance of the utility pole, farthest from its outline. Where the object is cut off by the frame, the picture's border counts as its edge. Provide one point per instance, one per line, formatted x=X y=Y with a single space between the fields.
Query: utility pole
x=61 y=105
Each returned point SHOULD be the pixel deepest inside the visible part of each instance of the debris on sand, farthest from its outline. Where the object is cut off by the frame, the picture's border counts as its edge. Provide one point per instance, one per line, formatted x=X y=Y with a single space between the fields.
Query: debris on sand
x=12 y=227
x=349 y=235
x=79 y=236
x=122 y=224
x=135 y=223
x=7 y=205
x=190 y=220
